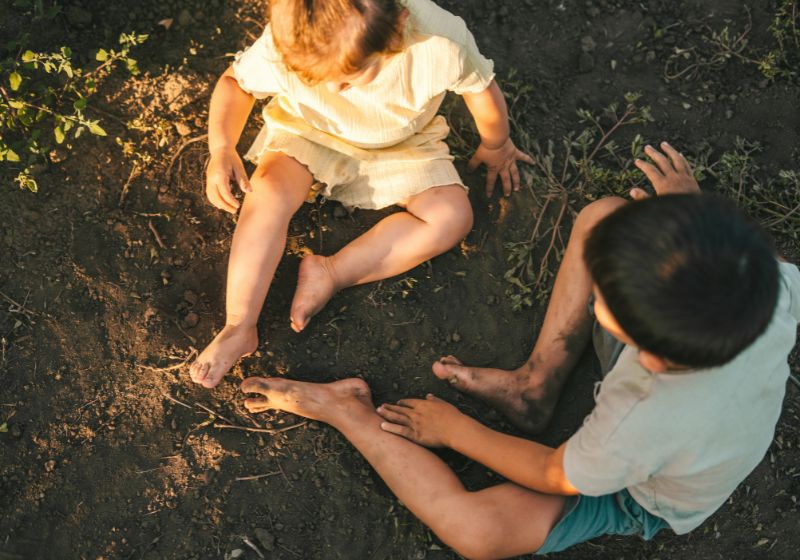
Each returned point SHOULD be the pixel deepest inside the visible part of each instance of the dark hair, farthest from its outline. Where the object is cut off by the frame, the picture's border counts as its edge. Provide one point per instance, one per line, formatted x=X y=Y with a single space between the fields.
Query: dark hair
x=688 y=277
x=321 y=38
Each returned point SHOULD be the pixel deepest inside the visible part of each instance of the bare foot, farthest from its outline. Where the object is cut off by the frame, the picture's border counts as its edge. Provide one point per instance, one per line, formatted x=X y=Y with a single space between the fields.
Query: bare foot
x=517 y=394
x=316 y=284
x=228 y=346
x=318 y=401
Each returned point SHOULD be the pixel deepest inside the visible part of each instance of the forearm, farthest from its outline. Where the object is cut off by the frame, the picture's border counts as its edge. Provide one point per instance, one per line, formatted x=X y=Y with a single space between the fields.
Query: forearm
x=521 y=461
x=227 y=115
x=489 y=110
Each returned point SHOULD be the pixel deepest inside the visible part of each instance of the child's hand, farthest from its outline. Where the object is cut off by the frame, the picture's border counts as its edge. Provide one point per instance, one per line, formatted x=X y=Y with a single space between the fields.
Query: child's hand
x=500 y=161
x=426 y=422
x=671 y=175
x=225 y=166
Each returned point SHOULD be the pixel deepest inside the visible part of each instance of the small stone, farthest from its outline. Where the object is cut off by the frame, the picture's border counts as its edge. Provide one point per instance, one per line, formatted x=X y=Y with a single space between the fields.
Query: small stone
x=394 y=344
x=455 y=337
x=492 y=300
x=185 y=18
x=266 y=539
x=183 y=129
x=728 y=113
x=166 y=275
x=49 y=466
x=650 y=57
x=16 y=431
x=588 y=44
x=236 y=552
x=190 y=297
x=585 y=62
x=191 y=320
x=340 y=212
x=179 y=262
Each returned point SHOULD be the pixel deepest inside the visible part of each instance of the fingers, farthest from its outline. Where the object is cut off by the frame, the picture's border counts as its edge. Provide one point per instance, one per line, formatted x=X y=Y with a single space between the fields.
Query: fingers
x=473 y=162
x=678 y=160
x=434 y=398
x=403 y=431
x=491 y=179
x=394 y=414
x=515 y=180
x=220 y=195
x=664 y=165
x=639 y=194
x=522 y=156
x=505 y=177
x=241 y=178
x=650 y=171
x=258 y=385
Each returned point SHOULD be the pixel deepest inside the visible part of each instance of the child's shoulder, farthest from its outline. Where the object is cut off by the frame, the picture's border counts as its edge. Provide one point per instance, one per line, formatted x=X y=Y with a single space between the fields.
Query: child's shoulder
x=432 y=22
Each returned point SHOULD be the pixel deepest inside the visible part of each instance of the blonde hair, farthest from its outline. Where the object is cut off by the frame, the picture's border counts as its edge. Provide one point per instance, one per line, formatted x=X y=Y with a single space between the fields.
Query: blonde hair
x=321 y=39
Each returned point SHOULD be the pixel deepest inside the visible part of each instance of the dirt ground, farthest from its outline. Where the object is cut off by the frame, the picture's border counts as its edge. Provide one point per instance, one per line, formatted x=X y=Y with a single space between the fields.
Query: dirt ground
x=111 y=279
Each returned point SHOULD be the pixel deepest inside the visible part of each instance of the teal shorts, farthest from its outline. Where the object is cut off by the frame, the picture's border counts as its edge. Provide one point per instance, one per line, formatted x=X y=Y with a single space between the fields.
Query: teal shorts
x=587 y=517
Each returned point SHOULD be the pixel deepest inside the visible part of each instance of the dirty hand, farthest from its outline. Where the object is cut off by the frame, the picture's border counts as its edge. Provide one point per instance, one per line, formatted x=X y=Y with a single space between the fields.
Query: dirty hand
x=671 y=173
x=426 y=421
x=225 y=166
x=500 y=161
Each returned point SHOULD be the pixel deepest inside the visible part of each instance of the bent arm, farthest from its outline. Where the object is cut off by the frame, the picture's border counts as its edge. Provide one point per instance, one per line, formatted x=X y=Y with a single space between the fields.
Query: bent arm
x=489 y=110
x=521 y=461
x=227 y=115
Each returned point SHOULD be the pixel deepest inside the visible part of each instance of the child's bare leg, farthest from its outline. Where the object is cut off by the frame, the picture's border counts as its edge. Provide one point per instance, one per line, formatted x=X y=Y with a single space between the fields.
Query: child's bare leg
x=501 y=521
x=528 y=395
x=280 y=185
x=434 y=221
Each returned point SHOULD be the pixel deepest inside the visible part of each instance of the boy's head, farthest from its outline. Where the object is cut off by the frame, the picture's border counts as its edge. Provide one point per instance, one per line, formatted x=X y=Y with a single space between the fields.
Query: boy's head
x=336 y=41
x=687 y=279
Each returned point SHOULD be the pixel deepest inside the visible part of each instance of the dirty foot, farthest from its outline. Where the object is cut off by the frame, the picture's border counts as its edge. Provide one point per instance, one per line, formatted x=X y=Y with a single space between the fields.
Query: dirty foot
x=228 y=346
x=316 y=284
x=318 y=401
x=526 y=405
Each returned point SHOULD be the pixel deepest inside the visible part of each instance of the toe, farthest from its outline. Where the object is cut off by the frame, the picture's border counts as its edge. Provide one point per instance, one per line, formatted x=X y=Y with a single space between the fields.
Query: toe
x=256 y=404
x=450 y=359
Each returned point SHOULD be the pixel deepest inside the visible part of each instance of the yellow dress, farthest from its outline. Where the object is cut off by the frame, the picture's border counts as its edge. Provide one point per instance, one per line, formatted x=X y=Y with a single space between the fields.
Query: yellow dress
x=379 y=144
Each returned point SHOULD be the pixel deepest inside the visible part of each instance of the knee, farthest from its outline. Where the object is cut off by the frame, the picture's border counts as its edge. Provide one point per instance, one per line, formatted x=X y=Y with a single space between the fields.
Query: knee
x=475 y=543
x=274 y=193
x=590 y=215
x=452 y=217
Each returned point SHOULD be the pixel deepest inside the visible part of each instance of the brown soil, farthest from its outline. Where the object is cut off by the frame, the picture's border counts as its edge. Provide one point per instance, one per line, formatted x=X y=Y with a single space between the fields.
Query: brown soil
x=109 y=281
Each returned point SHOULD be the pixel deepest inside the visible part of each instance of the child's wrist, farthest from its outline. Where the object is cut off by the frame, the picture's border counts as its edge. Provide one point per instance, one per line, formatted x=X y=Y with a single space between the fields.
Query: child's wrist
x=494 y=144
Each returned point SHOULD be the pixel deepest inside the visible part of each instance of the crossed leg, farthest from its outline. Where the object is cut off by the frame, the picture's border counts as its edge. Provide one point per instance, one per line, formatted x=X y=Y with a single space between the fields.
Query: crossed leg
x=528 y=394
x=497 y=522
x=433 y=222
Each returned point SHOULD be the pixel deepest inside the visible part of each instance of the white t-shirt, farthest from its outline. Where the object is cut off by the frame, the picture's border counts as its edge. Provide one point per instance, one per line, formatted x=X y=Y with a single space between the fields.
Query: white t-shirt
x=682 y=442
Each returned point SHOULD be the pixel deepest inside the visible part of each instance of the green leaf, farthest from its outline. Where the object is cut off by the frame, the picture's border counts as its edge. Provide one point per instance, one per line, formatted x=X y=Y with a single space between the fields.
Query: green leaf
x=28 y=56
x=102 y=55
x=11 y=155
x=80 y=104
x=96 y=129
x=3 y=427
x=14 y=104
x=58 y=132
x=15 y=80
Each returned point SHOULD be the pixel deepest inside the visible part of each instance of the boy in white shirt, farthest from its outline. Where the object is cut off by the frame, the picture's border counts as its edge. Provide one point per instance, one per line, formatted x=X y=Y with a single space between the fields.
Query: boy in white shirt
x=706 y=316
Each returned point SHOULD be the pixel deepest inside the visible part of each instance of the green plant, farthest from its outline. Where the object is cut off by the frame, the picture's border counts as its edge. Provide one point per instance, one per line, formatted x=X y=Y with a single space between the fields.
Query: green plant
x=43 y=102
x=585 y=166
x=773 y=200
x=783 y=60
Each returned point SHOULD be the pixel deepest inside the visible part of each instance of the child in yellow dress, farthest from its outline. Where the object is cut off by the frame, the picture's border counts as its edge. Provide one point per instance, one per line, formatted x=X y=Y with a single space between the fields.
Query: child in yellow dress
x=355 y=87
